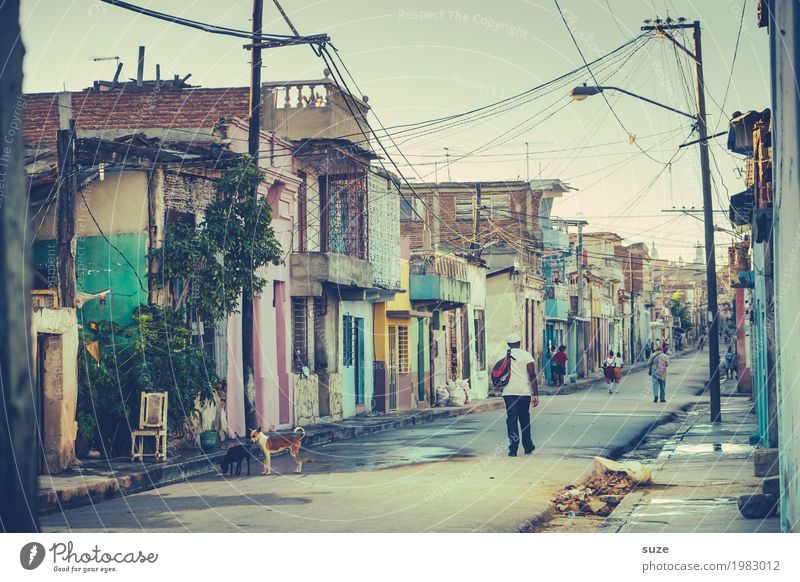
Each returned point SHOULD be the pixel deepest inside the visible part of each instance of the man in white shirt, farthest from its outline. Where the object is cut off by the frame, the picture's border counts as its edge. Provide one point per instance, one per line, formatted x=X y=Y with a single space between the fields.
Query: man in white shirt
x=520 y=394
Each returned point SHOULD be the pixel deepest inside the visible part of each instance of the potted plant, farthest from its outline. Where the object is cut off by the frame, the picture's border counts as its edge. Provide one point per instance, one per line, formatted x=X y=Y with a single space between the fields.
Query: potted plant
x=208 y=440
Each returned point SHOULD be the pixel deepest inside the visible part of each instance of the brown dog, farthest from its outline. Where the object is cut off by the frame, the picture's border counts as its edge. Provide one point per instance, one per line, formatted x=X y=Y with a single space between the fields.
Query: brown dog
x=278 y=443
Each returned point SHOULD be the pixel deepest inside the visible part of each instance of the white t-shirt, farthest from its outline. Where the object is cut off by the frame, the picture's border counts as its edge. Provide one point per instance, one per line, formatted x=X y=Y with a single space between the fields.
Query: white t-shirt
x=518 y=384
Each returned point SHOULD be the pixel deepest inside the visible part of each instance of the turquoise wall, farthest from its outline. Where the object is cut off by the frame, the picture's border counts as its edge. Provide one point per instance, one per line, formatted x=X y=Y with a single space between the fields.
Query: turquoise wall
x=758 y=342
x=99 y=266
x=363 y=310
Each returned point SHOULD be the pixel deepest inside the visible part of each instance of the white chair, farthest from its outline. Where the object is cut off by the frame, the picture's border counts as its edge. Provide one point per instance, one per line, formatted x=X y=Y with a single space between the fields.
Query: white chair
x=152 y=423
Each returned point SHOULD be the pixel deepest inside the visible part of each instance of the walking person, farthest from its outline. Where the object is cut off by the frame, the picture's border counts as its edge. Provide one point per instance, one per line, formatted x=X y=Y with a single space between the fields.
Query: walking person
x=617 y=371
x=609 y=365
x=561 y=363
x=648 y=349
x=551 y=356
x=658 y=372
x=730 y=362
x=520 y=394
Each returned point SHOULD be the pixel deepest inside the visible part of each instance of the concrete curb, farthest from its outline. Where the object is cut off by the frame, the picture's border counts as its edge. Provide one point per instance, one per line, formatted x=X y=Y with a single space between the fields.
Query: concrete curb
x=152 y=476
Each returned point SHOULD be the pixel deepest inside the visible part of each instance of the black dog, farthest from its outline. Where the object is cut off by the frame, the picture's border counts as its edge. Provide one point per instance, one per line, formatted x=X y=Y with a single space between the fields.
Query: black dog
x=236 y=454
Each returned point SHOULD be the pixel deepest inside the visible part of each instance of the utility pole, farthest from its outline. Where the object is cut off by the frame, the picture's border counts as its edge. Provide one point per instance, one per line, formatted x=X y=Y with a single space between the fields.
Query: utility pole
x=18 y=451
x=65 y=213
x=633 y=310
x=447 y=159
x=708 y=212
x=253 y=142
x=476 y=219
x=527 y=163
x=581 y=325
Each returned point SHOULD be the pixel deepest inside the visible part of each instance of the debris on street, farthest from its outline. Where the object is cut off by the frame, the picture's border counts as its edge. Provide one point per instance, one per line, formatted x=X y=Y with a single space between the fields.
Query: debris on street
x=602 y=491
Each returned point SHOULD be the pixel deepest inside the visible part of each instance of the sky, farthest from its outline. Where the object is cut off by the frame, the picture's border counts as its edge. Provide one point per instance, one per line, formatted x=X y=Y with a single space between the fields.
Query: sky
x=418 y=60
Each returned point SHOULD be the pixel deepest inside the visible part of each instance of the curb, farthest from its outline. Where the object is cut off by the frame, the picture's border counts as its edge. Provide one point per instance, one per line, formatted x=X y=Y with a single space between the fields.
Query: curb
x=154 y=476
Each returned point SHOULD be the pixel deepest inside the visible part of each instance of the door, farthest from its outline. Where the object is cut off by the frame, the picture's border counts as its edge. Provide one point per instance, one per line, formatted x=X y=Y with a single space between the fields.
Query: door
x=282 y=336
x=41 y=355
x=420 y=359
x=358 y=357
x=393 y=365
x=466 y=344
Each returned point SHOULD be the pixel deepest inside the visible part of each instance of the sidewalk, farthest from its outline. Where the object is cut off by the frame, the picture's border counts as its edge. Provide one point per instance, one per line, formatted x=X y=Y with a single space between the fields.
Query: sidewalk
x=103 y=479
x=697 y=479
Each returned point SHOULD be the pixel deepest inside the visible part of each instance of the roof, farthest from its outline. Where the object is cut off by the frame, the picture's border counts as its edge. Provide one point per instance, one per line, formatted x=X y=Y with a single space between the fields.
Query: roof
x=134 y=110
x=609 y=236
x=535 y=185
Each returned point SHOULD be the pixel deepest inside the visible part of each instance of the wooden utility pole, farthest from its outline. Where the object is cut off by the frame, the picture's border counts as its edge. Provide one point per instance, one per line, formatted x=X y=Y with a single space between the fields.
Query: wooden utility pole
x=18 y=452
x=65 y=214
x=708 y=209
x=476 y=219
x=579 y=308
x=253 y=142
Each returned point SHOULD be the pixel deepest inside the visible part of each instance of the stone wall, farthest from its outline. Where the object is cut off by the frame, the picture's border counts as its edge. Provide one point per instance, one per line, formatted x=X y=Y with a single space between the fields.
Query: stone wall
x=306 y=400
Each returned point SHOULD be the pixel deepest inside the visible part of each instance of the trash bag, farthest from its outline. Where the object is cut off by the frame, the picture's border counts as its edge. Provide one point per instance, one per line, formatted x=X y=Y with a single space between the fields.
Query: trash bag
x=458 y=397
x=634 y=469
x=442 y=396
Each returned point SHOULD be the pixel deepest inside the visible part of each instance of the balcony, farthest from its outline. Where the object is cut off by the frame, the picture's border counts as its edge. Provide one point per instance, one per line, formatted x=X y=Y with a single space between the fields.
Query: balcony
x=556 y=305
x=439 y=289
x=312 y=109
x=555 y=239
x=439 y=278
x=311 y=272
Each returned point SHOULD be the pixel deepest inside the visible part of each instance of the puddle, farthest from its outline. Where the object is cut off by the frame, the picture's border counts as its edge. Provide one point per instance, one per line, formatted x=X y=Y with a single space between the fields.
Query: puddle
x=387 y=458
x=712 y=448
x=665 y=507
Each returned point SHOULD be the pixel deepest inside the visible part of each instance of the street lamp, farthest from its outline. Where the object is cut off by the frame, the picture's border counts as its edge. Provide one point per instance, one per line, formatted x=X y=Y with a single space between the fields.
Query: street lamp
x=584 y=91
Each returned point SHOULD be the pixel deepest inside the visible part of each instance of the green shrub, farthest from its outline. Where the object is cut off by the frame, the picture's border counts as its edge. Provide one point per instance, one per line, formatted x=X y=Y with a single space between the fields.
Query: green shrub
x=152 y=354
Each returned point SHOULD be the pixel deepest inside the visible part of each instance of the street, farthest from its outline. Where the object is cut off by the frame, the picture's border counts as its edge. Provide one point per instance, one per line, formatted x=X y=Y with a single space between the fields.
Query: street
x=449 y=476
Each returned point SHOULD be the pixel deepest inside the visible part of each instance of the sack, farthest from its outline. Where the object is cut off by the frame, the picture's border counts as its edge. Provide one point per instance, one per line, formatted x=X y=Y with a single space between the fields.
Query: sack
x=501 y=372
x=634 y=469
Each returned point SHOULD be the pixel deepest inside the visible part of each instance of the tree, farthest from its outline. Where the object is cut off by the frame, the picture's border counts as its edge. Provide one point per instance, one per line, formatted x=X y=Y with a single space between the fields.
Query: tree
x=220 y=257
x=680 y=314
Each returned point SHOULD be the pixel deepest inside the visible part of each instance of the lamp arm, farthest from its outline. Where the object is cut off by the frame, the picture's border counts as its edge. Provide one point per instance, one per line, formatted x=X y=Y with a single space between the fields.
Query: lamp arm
x=634 y=95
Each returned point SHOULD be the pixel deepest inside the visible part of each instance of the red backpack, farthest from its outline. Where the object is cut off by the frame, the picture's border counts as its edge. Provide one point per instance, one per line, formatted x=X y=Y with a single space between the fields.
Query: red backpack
x=501 y=372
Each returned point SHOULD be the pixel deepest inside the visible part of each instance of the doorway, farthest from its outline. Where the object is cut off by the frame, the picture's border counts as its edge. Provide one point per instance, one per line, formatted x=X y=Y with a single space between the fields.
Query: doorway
x=358 y=357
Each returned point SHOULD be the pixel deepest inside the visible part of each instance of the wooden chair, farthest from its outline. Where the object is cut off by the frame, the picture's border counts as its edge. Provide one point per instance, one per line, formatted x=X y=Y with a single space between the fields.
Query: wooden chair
x=152 y=423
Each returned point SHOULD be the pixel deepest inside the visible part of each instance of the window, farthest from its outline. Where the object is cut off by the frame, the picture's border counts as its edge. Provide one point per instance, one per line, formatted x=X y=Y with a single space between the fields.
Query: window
x=464 y=206
x=498 y=205
x=347 y=340
x=408 y=205
x=299 y=334
x=402 y=348
x=480 y=338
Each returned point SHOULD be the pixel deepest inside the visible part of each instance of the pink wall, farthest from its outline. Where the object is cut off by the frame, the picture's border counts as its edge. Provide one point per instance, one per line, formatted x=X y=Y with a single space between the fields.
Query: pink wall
x=235 y=404
x=272 y=337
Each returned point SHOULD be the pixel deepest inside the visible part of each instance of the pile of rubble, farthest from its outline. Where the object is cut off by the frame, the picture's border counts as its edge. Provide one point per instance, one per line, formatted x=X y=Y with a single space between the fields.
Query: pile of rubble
x=603 y=491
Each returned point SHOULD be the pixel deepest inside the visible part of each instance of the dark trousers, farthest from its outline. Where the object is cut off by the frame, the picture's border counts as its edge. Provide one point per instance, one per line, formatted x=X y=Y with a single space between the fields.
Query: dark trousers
x=518 y=418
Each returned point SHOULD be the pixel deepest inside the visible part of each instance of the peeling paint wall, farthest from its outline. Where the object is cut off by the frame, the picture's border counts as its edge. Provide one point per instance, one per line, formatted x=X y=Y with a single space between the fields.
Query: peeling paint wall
x=58 y=331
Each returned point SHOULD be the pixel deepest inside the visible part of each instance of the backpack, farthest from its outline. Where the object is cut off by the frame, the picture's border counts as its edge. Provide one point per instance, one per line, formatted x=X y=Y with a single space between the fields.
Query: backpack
x=501 y=372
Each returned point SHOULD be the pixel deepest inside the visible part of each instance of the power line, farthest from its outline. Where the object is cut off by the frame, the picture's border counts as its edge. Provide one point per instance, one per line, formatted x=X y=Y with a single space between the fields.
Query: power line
x=594 y=79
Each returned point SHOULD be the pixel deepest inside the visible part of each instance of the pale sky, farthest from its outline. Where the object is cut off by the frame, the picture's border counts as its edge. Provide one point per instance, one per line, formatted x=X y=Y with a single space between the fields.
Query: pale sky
x=418 y=60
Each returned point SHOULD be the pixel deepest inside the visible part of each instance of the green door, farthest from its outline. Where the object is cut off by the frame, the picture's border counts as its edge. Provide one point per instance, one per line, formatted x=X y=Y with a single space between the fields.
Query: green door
x=358 y=326
x=420 y=359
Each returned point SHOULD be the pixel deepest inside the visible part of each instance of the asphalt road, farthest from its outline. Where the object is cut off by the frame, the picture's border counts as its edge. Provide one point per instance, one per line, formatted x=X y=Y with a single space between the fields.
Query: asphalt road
x=451 y=476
